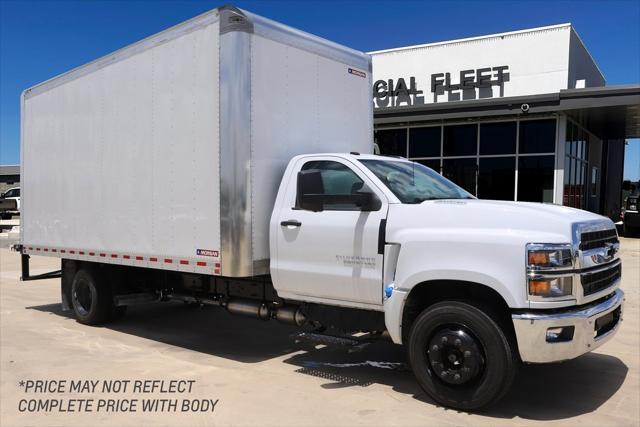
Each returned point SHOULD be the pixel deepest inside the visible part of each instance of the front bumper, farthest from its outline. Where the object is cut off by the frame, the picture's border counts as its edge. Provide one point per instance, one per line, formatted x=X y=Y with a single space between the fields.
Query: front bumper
x=584 y=329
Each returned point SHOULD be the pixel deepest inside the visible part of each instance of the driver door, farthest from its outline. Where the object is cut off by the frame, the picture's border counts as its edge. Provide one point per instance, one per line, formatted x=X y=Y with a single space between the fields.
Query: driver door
x=331 y=254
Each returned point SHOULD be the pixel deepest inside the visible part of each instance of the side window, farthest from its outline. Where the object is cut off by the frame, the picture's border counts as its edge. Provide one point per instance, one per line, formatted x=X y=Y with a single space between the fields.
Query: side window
x=337 y=179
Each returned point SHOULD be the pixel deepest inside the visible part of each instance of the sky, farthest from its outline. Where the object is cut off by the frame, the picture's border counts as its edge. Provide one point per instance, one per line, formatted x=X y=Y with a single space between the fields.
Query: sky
x=41 y=39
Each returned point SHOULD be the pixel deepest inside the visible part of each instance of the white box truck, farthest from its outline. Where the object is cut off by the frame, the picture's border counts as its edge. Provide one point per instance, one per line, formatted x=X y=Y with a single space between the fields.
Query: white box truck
x=225 y=161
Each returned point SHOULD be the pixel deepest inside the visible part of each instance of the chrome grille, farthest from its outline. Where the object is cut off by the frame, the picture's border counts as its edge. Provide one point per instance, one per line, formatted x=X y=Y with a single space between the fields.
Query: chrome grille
x=595 y=282
x=597 y=263
x=597 y=239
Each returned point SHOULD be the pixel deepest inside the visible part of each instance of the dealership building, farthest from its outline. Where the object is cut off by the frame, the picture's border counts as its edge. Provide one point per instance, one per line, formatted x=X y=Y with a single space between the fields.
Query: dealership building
x=524 y=115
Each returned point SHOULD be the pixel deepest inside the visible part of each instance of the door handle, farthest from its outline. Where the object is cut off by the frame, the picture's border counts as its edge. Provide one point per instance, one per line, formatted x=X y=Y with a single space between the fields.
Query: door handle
x=291 y=223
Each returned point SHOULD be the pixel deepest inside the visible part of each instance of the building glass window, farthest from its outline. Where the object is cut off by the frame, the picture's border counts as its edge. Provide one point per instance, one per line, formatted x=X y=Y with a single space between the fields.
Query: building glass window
x=392 y=142
x=490 y=159
x=431 y=163
x=576 y=167
x=535 y=179
x=462 y=172
x=496 y=178
x=460 y=140
x=498 y=138
x=566 y=197
x=424 y=142
x=537 y=136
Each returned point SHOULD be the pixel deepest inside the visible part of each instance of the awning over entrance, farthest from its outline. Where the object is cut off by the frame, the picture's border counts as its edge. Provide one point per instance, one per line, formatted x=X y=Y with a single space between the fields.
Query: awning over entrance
x=611 y=112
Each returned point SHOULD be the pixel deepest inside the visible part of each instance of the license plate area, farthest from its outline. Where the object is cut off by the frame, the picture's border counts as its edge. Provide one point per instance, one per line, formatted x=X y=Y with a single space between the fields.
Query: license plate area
x=607 y=322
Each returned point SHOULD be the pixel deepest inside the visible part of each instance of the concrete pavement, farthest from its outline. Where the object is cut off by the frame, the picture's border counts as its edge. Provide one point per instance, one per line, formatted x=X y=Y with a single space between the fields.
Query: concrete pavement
x=259 y=377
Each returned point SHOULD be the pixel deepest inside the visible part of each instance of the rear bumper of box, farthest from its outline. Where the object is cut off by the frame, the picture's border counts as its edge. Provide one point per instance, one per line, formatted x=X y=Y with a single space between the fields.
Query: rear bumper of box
x=582 y=329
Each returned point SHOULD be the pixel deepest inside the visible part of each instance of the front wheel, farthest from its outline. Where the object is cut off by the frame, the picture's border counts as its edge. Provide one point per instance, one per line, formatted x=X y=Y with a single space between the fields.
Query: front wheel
x=461 y=356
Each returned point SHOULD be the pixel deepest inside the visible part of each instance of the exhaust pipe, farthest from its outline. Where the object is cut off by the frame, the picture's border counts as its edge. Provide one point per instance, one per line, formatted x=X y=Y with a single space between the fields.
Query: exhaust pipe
x=249 y=308
x=288 y=314
x=291 y=315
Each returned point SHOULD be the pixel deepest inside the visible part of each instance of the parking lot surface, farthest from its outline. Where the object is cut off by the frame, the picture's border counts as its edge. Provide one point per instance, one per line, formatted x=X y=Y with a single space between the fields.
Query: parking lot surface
x=257 y=375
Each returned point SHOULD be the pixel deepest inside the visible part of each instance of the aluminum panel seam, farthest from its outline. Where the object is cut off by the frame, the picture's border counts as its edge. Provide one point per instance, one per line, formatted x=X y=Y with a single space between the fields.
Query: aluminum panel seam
x=235 y=151
x=22 y=169
x=234 y=19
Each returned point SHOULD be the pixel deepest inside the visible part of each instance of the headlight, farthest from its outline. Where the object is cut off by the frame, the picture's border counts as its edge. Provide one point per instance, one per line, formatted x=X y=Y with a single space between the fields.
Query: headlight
x=551 y=288
x=545 y=256
x=549 y=270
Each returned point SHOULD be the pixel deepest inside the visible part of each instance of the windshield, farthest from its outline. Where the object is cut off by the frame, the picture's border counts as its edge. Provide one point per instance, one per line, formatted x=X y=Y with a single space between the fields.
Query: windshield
x=414 y=183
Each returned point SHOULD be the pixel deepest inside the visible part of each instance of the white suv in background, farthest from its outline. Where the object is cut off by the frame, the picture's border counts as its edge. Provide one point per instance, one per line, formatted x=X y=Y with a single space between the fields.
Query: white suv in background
x=10 y=194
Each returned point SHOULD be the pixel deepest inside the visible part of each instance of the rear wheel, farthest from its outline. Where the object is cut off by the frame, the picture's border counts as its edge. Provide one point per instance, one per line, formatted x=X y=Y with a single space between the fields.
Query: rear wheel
x=460 y=356
x=91 y=298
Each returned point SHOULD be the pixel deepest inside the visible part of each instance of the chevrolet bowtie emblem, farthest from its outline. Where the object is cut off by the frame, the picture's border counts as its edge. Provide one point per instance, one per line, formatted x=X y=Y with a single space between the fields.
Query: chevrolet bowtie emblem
x=610 y=250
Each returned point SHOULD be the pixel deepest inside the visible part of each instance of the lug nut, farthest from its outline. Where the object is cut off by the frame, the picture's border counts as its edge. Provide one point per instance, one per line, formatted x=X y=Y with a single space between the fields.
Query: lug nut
x=435 y=348
x=444 y=340
x=456 y=377
x=467 y=353
x=458 y=342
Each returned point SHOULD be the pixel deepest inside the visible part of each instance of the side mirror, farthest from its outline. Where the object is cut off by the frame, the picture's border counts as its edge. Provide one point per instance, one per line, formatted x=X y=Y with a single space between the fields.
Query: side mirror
x=2 y=195
x=310 y=190
x=367 y=201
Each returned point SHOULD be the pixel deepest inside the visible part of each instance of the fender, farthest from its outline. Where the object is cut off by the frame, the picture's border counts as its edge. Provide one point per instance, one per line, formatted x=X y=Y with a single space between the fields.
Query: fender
x=500 y=267
x=395 y=304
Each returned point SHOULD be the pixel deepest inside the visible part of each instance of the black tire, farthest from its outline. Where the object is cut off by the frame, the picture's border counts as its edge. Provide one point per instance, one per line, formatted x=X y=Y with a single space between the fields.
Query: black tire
x=473 y=368
x=91 y=298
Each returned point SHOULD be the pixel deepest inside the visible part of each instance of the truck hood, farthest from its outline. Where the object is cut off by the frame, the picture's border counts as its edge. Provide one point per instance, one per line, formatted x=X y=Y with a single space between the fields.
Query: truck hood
x=532 y=221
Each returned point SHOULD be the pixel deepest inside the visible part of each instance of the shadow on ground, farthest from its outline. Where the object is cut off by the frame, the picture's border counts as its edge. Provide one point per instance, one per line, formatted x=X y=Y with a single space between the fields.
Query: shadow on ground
x=540 y=392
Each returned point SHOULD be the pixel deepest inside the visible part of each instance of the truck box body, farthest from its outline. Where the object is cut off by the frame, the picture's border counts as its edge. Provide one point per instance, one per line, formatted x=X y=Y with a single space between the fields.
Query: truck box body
x=168 y=153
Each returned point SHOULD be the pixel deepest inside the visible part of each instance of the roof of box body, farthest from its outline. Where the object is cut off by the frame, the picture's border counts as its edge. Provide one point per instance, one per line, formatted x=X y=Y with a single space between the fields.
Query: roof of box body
x=256 y=24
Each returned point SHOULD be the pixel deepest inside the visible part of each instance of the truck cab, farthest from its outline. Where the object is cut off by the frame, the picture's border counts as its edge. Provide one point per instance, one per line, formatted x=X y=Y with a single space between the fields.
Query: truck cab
x=461 y=281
